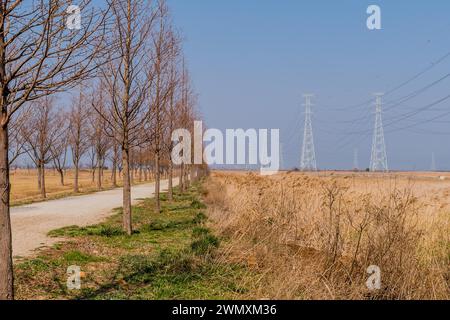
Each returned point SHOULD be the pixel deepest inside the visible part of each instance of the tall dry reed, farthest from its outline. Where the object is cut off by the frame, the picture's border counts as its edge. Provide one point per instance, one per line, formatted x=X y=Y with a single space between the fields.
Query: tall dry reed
x=307 y=237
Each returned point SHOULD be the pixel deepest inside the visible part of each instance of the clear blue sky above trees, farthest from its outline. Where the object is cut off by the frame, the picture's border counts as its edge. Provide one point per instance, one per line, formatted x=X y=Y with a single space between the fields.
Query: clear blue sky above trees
x=251 y=60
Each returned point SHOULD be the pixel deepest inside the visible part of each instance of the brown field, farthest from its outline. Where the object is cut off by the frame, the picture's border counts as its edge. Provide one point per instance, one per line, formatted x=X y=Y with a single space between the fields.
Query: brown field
x=24 y=184
x=313 y=236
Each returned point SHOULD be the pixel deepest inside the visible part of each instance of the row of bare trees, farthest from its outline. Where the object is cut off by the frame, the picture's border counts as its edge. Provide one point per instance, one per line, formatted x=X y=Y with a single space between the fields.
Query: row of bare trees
x=49 y=134
x=130 y=89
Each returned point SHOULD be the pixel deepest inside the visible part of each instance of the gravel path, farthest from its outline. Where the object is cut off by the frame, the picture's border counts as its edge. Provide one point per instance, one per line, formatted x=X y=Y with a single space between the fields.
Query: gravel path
x=31 y=223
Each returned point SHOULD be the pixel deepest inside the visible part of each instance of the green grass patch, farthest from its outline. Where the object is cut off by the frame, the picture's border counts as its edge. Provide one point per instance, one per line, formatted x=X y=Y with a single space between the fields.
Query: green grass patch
x=199 y=218
x=79 y=258
x=34 y=266
x=205 y=244
x=196 y=204
x=103 y=230
x=171 y=255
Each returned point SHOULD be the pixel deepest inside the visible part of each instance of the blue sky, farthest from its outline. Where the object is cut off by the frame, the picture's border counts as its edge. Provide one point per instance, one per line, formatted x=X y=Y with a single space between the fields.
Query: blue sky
x=252 y=60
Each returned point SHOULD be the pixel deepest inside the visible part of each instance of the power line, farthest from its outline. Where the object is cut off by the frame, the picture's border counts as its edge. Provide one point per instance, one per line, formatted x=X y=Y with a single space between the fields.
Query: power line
x=400 y=101
x=419 y=123
x=408 y=115
x=399 y=86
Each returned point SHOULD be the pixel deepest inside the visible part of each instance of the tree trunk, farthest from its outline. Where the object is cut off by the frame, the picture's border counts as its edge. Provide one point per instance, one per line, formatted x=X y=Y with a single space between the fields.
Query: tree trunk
x=145 y=174
x=114 y=170
x=75 y=182
x=157 y=183
x=170 y=182
x=43 y=192
x=126 y=191
x=6 y=265
x=99 y=174
x=131 y=174
x=93 y=174
x=193 y=173
x=181 y=183
x=61 y=177
x=187 y=179
x=39 y=173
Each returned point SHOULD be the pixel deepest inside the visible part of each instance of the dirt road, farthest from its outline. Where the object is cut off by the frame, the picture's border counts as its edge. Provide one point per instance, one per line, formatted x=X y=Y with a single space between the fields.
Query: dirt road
x=31 y=223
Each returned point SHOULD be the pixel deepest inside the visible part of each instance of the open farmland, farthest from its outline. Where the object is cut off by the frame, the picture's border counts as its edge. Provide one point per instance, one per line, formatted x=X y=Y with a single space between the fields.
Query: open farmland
x=24 y=184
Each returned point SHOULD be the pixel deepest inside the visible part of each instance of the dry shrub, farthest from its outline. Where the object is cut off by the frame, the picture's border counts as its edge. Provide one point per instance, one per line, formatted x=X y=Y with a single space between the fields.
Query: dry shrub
x=314 y=238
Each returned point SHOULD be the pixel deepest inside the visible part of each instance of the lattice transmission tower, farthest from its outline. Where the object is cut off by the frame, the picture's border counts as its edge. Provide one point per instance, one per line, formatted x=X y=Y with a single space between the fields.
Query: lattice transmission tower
x=378 y=160
x=281 y=164
x=308 y=159
x=433 y=162
x=355 y=160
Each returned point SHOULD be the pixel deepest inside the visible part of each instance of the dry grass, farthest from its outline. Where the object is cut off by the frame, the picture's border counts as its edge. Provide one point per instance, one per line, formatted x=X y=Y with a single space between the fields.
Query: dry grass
x=313 y=237
x=24 y=184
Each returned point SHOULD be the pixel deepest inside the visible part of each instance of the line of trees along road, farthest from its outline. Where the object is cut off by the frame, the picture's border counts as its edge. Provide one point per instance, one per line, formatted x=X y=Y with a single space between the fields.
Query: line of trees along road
x=130 y=89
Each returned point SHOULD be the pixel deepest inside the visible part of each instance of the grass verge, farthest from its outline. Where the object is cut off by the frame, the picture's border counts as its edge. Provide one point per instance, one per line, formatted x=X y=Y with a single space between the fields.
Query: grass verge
x=171 y=255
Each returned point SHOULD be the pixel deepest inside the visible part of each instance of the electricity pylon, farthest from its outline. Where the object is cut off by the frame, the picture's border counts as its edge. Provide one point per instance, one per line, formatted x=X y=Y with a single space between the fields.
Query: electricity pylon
x=378 y=160
x=355 y=160
x=281 y=157
x=433 y=162
x=308 y=159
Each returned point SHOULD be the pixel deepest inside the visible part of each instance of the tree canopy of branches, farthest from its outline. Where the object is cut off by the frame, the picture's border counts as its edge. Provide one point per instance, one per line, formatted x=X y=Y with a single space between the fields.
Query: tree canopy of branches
x=39 y=56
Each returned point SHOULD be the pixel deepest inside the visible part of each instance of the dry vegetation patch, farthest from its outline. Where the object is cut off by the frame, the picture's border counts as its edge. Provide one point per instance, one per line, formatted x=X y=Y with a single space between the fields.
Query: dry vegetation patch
x=312 y=237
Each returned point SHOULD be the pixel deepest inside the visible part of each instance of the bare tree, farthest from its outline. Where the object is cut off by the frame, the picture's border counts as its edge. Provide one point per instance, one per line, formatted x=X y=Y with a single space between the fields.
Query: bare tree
x=163 y=43
x=39 y=56
x=58 y=149
x=16 y=141
x=99 y=139
x=78 y=133
x=40 y=132
x=186 y=117
x=92 y=155
x=171 y=113
x=127 y=83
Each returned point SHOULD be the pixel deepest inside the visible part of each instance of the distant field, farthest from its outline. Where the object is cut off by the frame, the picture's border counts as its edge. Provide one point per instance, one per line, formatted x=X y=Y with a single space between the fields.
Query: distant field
x=24 y=184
